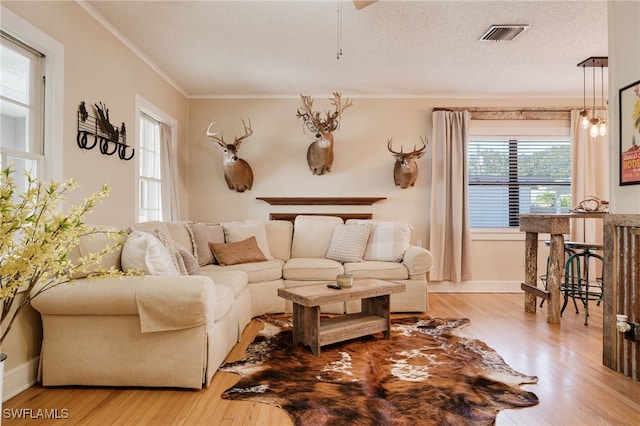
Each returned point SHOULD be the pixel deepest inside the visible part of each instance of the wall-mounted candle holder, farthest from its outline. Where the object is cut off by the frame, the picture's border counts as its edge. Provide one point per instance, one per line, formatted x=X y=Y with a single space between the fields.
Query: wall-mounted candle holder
x=98 y=131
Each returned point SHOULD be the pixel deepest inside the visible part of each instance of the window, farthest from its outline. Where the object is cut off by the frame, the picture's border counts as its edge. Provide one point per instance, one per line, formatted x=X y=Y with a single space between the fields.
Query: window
x=22 y=78
x=150 y=174
x=513 y=176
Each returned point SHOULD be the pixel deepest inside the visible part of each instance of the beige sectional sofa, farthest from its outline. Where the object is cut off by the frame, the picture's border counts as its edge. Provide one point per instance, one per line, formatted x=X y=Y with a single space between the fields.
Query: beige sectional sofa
x=174 y=329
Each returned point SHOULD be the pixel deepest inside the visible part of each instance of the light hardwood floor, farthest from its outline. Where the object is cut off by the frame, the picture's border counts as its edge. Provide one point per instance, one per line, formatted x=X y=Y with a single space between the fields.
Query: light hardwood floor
x=574 y=387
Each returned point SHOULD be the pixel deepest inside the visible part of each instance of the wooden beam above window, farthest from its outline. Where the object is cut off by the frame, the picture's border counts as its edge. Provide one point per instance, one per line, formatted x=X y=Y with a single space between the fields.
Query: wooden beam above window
x=514 y=113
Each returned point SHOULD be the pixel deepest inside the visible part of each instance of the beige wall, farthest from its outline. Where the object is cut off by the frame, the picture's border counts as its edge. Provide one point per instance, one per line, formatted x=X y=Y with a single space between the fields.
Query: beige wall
x=363 y=167
x=97 y=68
x=624 y=69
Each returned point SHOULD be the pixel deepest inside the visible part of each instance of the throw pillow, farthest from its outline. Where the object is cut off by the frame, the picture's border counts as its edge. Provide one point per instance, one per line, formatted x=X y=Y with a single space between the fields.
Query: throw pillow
x=237 y=252
x=201 y=235
x=388 y=240
x=348 y=243
x=188 y=260
x=168 y=243
x=240 y=231
x=144 y=252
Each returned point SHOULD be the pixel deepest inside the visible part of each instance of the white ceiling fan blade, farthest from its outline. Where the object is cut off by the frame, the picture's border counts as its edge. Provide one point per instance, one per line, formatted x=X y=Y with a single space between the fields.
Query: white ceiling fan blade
x=361 y=4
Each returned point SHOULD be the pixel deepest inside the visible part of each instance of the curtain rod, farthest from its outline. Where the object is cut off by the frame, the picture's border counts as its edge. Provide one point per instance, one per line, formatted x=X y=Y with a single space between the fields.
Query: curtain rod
x=515 y=113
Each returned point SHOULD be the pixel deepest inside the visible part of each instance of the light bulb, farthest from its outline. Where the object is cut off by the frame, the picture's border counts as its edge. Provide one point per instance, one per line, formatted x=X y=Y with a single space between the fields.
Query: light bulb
x=585 y=119
x=593 y=130
x=602 y=129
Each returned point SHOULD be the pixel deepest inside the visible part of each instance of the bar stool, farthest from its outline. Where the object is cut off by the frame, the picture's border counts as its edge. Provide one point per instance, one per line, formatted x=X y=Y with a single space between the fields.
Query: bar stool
x=577 y=283
x=543 y=278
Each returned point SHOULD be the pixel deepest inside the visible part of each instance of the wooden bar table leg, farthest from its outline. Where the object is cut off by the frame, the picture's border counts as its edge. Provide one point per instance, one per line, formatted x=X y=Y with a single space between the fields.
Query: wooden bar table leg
x=554 y=278
x=531 y=269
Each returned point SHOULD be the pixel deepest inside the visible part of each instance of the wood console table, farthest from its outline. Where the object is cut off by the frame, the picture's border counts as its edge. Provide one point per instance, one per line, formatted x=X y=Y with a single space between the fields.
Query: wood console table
x=556 y=225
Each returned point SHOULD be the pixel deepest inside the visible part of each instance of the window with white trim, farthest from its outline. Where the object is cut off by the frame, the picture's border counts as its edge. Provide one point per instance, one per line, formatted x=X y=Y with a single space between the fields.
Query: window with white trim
x=150 y=173
x=513 y=176
x=22 y=89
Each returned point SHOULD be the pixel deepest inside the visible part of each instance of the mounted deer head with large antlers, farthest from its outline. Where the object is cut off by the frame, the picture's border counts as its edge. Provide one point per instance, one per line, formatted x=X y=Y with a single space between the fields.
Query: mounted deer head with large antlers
x=237 y=172
x=405 y=170
x=320 y=152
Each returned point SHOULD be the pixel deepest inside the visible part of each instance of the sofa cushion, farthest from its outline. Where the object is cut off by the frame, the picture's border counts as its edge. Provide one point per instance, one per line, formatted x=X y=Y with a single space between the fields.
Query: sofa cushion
x=96 y=243
x=258 y=272
x=388 y=239
x=238 y=252
x=348 y=242
x=305 y=269
x=237 y=280
x=201 y=235
x=179 y=233
x=379 y=270
x=312 y=235
x=279 y=235
x=240 y=231
x=144 y=252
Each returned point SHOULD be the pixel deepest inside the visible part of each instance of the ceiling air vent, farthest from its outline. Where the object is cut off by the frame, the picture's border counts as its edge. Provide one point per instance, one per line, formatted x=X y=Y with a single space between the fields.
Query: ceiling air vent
x=503 y=32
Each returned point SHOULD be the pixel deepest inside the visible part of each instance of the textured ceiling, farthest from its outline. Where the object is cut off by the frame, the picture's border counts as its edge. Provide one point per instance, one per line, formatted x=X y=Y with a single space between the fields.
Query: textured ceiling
x=390 y=48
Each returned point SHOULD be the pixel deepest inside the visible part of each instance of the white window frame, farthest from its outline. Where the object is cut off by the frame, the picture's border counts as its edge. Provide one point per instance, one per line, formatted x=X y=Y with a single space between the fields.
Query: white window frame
x=54 y=89
x=514 y=129
x=148 y=108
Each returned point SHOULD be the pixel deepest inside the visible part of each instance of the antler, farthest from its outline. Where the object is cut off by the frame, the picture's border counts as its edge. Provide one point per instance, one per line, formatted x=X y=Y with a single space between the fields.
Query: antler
x=247 y=132
x=415 y=153
x=340 y=107
x=219 y=139
x=391 y=150
x=310 y=118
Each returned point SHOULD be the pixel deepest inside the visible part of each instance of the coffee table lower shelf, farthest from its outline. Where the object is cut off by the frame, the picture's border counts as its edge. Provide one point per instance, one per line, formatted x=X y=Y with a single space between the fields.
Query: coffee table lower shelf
x=350 y=326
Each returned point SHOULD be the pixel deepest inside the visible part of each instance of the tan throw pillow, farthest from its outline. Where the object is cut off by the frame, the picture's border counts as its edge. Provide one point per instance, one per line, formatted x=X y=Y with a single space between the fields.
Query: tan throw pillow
x=201 y=235
x=238 y=252
x=348 y=243
x=239 y=231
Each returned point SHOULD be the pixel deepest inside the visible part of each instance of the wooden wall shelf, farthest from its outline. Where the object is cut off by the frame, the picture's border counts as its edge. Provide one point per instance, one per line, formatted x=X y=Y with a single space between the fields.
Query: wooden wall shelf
x=291 y=217
x=321 y=201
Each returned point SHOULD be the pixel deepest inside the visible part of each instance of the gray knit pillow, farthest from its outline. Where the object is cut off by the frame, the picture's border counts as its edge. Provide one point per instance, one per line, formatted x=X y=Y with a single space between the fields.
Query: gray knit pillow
x=348 y=243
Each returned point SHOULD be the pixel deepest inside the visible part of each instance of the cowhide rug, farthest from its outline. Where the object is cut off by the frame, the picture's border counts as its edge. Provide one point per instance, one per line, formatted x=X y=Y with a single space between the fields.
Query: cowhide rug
x=424 y=375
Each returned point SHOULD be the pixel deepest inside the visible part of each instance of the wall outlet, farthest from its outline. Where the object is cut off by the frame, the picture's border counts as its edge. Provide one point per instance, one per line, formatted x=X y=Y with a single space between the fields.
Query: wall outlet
x=634 y=333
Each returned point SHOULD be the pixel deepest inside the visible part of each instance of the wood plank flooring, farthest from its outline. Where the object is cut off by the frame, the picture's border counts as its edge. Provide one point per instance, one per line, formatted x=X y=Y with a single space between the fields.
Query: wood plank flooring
x=574 y=387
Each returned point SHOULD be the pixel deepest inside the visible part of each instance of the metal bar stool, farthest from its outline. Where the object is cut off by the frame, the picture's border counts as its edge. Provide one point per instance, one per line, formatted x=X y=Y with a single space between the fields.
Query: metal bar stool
x=577 y=283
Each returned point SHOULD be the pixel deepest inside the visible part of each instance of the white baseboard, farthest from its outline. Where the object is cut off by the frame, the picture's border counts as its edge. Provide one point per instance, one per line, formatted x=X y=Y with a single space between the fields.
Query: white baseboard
x=475 y=287
x=20 y=378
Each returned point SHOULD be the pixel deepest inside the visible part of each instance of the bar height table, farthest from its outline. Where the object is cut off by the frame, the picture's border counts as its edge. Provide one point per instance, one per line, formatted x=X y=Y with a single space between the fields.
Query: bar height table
x=556 y=225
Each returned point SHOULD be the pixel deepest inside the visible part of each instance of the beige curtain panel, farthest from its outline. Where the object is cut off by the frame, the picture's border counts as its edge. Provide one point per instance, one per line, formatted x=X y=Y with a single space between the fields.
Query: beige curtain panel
x=450 y=233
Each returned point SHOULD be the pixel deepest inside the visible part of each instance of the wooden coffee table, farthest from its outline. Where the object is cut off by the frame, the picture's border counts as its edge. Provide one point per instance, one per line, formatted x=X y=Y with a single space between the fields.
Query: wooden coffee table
x=314 y=332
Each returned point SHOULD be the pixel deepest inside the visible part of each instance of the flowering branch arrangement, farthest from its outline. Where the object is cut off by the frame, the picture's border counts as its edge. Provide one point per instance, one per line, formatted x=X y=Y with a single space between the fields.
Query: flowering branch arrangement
x=36 y=239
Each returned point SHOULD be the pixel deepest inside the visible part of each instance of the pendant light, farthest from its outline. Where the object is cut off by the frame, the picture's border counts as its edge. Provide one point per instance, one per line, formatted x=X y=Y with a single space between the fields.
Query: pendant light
x=593 y=119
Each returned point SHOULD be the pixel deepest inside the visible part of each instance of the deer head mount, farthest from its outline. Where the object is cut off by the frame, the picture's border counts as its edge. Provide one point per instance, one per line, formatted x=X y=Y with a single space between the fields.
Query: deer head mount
x=237 y=172
x=320 y=152
x=405 y=170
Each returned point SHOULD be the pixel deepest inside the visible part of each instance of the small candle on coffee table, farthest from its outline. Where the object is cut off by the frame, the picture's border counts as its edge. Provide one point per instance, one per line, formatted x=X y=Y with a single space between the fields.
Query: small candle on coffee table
x=344 y=280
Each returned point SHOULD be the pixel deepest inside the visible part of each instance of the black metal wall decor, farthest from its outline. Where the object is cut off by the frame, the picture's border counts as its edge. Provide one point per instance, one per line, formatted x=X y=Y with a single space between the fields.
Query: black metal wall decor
x=108 y=137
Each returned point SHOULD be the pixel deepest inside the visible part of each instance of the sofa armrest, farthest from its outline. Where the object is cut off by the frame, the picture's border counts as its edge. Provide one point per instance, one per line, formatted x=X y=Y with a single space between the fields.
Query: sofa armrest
x=162 y=302
x=418 y=261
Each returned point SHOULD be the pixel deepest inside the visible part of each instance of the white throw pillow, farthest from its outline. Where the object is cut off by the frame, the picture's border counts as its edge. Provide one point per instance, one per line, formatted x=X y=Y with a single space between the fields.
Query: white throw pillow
x=388 y=240
x=239 y=231
x=145 y=253
x=348 y=243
